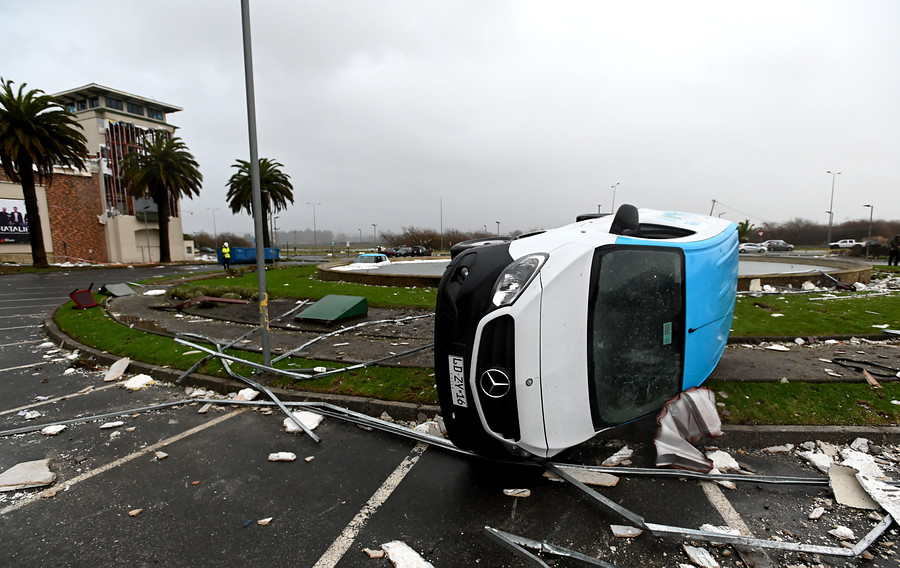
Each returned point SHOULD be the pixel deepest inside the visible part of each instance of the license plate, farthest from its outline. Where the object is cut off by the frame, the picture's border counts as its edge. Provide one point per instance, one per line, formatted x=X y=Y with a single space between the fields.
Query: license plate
x=458 y=381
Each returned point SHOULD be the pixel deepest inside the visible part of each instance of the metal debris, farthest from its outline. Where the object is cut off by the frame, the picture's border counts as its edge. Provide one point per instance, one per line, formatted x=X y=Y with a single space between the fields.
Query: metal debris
x=684 y=420
x=517 y=544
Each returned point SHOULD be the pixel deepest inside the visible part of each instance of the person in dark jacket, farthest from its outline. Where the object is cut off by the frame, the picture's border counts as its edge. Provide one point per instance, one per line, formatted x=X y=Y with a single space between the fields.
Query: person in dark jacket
x=894 y=255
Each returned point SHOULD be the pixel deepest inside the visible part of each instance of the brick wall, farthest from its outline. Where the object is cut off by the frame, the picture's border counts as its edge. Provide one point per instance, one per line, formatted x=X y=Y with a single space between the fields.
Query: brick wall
x=74 y=204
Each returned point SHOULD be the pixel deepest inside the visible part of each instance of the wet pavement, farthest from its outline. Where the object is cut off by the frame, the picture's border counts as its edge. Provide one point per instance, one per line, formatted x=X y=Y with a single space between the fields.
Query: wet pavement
x=116 y=501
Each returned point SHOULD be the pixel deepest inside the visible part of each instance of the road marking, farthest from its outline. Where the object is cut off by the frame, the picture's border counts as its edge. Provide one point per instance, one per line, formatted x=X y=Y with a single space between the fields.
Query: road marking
x=56 y=399
x=18 y=327
x=26 y=342
x=732 y=518
x=122 y=461
x=343 y=542
x=25 y=366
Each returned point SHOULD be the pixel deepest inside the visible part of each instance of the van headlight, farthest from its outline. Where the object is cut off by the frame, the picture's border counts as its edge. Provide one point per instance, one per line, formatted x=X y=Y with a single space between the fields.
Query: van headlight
x=516 y=277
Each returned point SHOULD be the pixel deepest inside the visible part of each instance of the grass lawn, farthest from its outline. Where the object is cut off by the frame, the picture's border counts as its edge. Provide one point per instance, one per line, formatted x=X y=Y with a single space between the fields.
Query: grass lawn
x=746 y=403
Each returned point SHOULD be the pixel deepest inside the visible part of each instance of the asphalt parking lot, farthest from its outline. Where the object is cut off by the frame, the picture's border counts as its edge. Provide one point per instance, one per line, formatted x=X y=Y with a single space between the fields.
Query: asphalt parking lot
x=200 y=503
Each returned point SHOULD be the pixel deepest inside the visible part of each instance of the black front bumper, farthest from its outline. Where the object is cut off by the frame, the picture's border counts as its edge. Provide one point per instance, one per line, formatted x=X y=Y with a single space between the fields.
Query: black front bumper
x=464 y=299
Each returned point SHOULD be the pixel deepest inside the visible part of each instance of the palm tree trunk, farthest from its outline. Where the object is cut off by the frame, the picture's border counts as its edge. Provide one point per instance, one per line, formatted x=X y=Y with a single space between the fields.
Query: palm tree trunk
x=162 y=206
x=35 y=230
x=267 y=242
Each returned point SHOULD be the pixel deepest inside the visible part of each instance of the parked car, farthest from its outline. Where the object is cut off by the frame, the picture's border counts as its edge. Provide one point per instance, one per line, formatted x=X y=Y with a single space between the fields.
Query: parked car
x=206 y=250
x=777 y=245
x=403 y=250
x=371 y=259
x=845 y=244
x=751 y=247
x=420 y=251
x=543 y=341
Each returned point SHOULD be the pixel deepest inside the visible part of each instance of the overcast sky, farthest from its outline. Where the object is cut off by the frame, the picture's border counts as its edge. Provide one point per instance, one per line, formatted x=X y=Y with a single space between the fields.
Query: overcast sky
x=521 y=112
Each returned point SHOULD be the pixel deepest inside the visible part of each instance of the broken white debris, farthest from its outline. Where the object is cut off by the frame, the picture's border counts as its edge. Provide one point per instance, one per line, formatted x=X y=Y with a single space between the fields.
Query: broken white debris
x=816 y=513
x=586 y=476
x=721 y=529
x=885 y=495
x=622 y=531
x=154 y=292
x=431 y=428
x=847 y=490
x=701 y=557
x=517 y=492
x=137 y=382
x=109 y=425
x=779 y=449
x=135 y=512
x=53 y=429
x=777 y=347
x=863 y=463
x=246 y=394
x=32 y=414
x=617 y=458
x=310 y=419
x=264 y=522
x=27 y=474
x=116 y=370
x=819 y=460
x=282 y=457
x=842 y=533
x=402 y=556
x=723 y=460
x=374 y=554
x=69 y=371
x=160 y=455
x=205 y=408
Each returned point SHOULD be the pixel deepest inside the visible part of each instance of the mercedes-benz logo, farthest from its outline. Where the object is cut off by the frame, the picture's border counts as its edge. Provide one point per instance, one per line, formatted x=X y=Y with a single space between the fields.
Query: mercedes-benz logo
x=494 y=383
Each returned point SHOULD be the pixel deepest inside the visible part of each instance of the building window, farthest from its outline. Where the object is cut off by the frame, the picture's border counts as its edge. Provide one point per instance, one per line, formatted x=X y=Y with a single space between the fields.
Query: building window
x=82 y=104
x=94 y=102
x=154 y=114
x=116 y=104
x=70 y=107
x=135 y=109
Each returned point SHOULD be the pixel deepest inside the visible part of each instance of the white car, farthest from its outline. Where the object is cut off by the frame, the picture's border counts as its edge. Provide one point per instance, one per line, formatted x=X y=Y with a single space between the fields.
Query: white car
x=545 y=340
x=751 y=247
x=845 y=243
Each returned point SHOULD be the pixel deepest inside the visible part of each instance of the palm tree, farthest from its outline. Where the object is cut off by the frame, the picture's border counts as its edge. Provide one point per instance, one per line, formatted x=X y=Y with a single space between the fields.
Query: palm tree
x=275 y=187
x=161 y=168
x=745 y=229
x=36 y=132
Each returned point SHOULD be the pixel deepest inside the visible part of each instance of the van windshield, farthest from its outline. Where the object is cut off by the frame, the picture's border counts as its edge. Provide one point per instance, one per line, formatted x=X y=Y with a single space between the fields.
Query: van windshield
x=636 y=331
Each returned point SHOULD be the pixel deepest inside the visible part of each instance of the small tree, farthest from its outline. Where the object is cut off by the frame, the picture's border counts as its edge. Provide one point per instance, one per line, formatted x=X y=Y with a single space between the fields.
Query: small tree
x=36 y=132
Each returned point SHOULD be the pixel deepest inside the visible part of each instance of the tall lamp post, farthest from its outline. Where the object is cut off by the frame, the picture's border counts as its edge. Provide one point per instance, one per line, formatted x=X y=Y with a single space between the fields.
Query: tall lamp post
x=315 y=242
x=374 y=238
x=614 y=197
x=869 y=240
x=831 y=209
x=215 y=233
x=498 y=228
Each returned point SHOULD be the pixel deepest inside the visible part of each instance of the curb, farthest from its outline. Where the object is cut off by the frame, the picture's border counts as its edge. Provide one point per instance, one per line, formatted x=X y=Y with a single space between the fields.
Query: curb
x=370 y=406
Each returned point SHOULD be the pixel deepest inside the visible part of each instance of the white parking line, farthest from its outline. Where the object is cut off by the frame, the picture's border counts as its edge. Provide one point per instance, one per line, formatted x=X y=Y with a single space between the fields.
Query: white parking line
x=24 y=366
x=18 y=327
x=343 y=542
x=729 y=514
x=121 y=461
x=56 y=399
x=17 y=343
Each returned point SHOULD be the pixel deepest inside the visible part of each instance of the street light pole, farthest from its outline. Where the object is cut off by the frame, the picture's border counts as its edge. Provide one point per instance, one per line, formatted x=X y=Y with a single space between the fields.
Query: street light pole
x=374 y=238
x=498 y=228
x=315 y=242
x=869 y=240
x=831 y=209
x=215 y=233
x=614 y=197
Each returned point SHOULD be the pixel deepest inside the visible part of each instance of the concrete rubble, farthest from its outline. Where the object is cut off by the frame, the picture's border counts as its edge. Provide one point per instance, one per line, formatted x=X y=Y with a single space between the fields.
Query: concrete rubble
x=26 y=475
x=402 y=555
